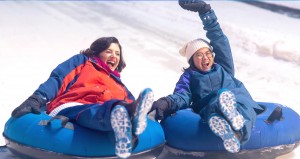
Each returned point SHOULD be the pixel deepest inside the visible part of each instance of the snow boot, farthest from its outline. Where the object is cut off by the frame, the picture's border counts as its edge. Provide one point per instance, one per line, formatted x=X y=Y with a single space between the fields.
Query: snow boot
x=227 y=103
x=143 y=106
x=121 y=124
x=221 y=128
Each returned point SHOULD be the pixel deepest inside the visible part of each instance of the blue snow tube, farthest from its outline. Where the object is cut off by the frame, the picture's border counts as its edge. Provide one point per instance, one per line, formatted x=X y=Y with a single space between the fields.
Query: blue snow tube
x=34 y=136
x=188 y=135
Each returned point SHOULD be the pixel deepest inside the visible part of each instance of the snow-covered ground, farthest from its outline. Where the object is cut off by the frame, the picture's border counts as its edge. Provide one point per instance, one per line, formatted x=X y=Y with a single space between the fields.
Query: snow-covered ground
x=36 y=36
x=290 y=3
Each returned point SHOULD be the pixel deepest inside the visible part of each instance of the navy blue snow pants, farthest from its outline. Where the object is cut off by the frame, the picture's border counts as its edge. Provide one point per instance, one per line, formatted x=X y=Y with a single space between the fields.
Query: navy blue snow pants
x=93 y=116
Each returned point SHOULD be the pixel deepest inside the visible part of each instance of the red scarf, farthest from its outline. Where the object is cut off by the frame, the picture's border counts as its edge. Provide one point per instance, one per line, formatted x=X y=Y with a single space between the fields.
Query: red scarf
x=104 y=65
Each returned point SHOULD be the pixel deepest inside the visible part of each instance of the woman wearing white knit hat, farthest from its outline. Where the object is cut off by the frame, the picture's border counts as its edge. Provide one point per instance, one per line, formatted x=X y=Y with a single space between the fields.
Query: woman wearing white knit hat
x=204 y=57
x=209 y=86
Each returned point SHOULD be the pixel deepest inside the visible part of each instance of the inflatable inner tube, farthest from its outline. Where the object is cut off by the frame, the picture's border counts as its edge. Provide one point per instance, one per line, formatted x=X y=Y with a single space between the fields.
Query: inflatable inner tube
x=35 y=136
x=276 y=132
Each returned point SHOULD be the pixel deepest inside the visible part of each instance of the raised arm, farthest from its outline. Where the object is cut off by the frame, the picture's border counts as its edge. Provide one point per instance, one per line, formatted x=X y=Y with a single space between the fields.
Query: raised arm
x=218 y=39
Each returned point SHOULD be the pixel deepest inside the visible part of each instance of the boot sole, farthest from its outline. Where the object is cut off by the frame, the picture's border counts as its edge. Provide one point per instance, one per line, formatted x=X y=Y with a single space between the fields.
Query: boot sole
x=221 y=128
x=228 y=108
x=121 y=124
x=145 y=101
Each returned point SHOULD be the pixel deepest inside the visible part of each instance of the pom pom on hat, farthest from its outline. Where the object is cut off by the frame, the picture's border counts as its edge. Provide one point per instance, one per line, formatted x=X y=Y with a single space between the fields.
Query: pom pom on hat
x=191 y=47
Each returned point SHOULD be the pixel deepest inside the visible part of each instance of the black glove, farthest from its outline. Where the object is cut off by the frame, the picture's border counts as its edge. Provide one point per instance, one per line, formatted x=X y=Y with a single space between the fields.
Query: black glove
x=30 y=105
x=162 y=107
x=195 y=5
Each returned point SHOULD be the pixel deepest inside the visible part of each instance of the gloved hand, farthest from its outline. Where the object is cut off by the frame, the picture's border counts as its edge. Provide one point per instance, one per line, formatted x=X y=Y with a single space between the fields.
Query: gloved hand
x=162 y=107
x=30 y=105
x=195 y=5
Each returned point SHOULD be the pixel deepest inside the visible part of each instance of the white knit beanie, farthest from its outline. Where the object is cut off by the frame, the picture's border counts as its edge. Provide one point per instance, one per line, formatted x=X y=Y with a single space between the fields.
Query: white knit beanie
x=191 y=47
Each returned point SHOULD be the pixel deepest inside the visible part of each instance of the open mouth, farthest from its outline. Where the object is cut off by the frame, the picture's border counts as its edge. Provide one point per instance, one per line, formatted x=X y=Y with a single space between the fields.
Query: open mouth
x=111 y=63
x=205 y=64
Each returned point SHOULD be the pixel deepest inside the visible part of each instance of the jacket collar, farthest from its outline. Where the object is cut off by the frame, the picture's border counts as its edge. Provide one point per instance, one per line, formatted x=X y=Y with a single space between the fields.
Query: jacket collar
x=105 y=67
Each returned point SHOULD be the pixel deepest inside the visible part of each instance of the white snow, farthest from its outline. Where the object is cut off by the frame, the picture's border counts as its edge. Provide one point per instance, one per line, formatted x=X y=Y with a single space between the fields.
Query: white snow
x=36 y=36
x=289 y=3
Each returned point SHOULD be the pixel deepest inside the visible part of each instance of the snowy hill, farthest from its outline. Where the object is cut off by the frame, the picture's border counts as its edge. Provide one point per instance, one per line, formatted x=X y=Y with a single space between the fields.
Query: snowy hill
x=36 y=36
x=291 y=3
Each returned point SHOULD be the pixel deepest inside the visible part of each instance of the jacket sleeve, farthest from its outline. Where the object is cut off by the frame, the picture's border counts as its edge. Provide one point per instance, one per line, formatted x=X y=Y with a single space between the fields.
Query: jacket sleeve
x=218 y=41
x=61 y=78
x=130 y=95
x=181 y=97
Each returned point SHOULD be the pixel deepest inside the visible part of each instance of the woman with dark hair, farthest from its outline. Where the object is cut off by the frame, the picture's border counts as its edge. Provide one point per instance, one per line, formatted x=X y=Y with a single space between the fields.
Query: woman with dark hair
x=88 y=90
x=102 y=44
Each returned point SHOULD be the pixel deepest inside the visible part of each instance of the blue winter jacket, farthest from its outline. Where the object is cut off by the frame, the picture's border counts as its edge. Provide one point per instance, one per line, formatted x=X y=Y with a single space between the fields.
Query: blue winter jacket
x=198 y=89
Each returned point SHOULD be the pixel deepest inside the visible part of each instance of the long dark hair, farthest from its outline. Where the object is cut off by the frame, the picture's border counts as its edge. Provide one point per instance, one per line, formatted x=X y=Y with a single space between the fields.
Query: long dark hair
x=101 y=45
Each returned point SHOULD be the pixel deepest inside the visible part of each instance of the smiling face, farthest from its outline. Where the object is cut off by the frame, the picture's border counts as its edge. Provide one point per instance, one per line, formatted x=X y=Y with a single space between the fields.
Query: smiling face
x=203 y=59
x=111 y=56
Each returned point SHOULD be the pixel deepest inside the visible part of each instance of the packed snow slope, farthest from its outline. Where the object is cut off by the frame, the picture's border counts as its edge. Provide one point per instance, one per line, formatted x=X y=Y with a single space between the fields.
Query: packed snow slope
x=36 y=36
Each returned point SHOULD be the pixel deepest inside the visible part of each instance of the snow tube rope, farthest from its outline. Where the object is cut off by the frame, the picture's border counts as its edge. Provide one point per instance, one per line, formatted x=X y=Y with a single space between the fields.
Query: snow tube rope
x=64 y=122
